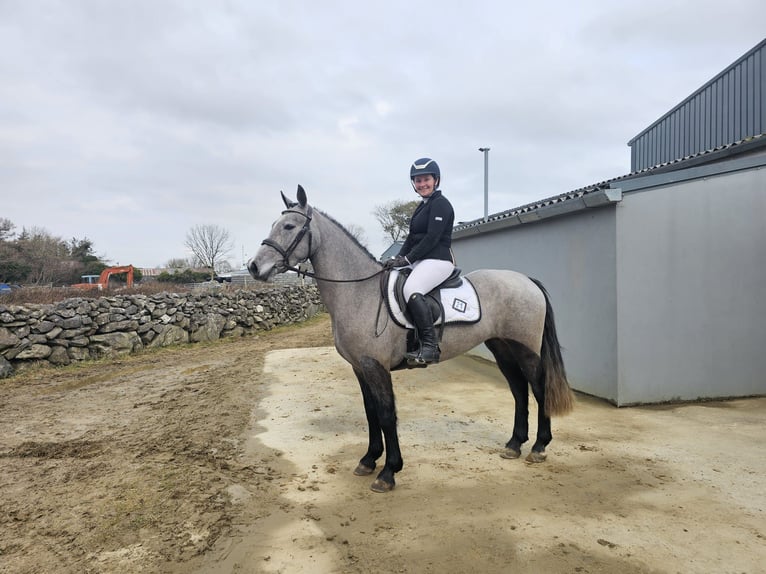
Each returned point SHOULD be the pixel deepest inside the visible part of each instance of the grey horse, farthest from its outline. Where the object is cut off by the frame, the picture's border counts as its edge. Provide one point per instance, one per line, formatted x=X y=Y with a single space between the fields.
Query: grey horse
x=517 y=326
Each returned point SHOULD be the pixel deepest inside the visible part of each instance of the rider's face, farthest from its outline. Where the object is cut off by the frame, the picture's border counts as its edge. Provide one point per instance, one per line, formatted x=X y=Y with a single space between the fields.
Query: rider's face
x=424 y=184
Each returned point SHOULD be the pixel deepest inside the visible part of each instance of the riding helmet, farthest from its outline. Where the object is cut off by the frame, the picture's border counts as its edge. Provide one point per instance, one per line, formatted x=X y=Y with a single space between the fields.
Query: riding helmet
x=425 y=166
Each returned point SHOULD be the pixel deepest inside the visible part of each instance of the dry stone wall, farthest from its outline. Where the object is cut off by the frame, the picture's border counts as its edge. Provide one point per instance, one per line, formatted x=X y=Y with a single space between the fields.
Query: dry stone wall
x=79 y=329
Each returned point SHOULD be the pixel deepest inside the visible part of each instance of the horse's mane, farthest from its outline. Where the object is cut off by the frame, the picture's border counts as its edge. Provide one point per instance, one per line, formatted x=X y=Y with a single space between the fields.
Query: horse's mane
x=350 y=236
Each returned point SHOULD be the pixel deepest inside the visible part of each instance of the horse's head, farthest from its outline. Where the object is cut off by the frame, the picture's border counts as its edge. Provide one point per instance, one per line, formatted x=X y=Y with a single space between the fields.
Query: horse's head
x=289 y=243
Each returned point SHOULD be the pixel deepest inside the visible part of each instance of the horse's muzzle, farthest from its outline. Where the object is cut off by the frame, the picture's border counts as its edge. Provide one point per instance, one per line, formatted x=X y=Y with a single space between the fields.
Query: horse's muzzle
x=258 y=273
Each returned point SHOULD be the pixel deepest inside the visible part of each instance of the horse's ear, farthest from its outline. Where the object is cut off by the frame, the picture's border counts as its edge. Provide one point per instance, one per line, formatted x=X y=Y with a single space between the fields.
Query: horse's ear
x=288 y=203
x=301 y=196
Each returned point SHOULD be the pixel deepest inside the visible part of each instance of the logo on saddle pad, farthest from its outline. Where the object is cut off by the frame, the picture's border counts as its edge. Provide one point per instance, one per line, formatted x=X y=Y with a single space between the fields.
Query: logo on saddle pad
x=454 y=302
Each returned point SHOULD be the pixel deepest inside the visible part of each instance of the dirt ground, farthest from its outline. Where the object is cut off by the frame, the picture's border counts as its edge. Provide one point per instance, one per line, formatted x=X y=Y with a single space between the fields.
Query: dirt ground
x=237 y=457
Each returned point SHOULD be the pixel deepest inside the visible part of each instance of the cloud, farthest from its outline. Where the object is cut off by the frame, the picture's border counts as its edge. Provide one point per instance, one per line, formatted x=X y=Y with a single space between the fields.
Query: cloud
x=132 y=122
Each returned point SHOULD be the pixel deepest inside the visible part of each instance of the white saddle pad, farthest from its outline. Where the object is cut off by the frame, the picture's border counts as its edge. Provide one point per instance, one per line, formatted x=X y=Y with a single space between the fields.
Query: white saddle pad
x=461 y=304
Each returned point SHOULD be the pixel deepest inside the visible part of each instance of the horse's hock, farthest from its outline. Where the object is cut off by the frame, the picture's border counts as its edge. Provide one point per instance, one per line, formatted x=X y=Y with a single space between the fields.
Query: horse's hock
x=80 y=329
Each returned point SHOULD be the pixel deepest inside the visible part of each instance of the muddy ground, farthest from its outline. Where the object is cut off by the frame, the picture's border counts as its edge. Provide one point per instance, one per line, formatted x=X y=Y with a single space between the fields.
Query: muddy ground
x=237 y=457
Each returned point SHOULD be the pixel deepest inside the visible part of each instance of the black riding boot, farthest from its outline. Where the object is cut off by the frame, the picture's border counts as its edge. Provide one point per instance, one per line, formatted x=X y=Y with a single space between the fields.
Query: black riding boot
x=421 y=316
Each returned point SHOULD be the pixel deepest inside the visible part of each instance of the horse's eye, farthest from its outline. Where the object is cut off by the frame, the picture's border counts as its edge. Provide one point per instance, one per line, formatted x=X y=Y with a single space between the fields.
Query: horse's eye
x=289 y=226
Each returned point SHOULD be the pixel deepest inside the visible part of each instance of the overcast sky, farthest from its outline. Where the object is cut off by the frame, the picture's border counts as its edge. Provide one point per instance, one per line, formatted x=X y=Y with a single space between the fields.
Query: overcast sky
x=129 y=122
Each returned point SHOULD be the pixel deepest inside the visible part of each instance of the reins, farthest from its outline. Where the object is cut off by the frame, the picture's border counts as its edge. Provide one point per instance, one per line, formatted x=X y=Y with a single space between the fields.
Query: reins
x=318 y=278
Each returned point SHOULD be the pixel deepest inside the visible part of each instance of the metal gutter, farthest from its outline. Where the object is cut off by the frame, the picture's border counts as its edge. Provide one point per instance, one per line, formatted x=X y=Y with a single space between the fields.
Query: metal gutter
x=595 y=199
x=700 y=171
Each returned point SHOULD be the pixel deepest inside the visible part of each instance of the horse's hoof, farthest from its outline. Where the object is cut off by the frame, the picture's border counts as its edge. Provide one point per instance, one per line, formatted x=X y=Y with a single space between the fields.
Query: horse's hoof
x=363 y=470
x=510 y=453
x=536 y=457
x=381 y=486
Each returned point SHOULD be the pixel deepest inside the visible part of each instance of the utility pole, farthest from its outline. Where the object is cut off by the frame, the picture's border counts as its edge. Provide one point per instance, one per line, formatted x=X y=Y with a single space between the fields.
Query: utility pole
x=485 y=151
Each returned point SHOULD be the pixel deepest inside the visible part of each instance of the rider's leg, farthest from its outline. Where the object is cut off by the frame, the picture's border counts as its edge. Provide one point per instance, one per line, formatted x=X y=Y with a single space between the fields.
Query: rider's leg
x=426 y=275
x=424 y=321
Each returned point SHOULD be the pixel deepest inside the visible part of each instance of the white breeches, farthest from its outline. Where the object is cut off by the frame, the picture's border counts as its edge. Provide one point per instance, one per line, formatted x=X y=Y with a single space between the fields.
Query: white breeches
x=426 y=274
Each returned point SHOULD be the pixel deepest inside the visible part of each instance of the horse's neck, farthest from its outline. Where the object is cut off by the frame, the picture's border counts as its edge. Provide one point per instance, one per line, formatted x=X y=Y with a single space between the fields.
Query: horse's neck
x=340 y=257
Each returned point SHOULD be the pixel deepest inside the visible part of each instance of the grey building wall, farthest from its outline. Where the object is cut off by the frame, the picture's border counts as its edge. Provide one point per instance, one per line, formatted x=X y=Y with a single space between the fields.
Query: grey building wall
x=659 y=296
x=691 y=281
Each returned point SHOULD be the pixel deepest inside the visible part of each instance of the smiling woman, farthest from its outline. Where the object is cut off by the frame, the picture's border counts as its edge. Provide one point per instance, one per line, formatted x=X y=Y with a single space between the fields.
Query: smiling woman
x=426 y=253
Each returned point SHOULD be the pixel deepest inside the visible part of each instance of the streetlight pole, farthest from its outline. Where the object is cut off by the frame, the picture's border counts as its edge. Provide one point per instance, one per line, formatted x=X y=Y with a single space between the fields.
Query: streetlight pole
x=485 y=151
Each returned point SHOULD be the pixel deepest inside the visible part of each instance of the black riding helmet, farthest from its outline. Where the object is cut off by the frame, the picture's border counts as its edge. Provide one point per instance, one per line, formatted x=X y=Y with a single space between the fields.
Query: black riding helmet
x=426 y=166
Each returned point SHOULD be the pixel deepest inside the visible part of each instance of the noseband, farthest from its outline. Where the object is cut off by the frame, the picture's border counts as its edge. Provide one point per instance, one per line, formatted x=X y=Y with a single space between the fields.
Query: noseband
x=285 y=253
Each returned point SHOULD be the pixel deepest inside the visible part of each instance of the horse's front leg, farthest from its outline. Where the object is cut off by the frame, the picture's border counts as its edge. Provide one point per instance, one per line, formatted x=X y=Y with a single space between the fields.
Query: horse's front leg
x=380 y=407
x=367 y=463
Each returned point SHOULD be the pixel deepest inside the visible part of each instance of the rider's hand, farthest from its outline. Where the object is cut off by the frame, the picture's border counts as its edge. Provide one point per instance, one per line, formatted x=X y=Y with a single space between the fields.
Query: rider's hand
x=396 y=262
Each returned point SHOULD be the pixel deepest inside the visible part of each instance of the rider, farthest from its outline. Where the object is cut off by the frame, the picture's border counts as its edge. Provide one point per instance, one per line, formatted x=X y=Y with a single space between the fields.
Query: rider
x=427 y=251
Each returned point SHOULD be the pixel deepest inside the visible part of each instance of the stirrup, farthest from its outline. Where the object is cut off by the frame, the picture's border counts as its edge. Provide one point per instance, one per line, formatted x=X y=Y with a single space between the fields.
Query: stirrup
x=418 y=359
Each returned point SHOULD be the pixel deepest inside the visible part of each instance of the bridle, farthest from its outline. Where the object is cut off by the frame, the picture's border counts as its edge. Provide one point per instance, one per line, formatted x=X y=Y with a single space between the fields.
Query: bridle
x=285 y=253
x=306 y=230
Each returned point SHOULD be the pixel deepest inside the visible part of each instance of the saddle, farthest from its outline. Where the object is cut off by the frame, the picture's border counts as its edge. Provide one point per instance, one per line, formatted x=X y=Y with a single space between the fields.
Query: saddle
x=454 y=300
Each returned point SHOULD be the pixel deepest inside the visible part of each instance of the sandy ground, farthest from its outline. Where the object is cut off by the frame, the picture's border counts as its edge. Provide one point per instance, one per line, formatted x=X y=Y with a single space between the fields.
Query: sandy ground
x=237 y=457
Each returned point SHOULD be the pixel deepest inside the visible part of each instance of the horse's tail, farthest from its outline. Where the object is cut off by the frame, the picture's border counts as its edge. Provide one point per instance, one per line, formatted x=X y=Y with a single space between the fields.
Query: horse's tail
x=559 y=399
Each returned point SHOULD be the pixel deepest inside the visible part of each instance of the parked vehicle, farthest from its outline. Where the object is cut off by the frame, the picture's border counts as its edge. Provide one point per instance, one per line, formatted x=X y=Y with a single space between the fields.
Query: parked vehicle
x=7 y=288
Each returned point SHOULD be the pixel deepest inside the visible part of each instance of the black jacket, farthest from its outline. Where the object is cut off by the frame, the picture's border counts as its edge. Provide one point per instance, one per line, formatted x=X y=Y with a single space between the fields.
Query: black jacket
x=430 y=235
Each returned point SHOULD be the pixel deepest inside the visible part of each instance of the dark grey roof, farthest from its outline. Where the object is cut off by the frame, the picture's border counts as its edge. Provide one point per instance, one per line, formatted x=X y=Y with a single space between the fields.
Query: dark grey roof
x=709 y=156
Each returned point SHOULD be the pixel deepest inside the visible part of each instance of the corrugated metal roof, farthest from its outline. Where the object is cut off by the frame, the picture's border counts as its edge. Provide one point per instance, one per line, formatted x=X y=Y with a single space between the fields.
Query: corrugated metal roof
x=730 y=107
x=706 y=156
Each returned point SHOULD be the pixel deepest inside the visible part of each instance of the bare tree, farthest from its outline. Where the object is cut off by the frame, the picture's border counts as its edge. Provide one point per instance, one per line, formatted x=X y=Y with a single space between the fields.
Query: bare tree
x=358 y=233
x=209 y=244
x=48 y=257
x=178 y=263
x=394 y=217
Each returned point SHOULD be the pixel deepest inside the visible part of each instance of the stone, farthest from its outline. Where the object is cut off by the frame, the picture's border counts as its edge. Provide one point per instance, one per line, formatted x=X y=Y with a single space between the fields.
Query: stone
x=210 y=330
x=112 y=344
x=128 y=325
x=34 y=351
x=234 y=332
x=169 y=335
x=44 y=326
x=72 y=323
x=6 y=369
x=78 y=353
x=59 y=356
x=53 y=333
x=79 y=342
x=7 y=339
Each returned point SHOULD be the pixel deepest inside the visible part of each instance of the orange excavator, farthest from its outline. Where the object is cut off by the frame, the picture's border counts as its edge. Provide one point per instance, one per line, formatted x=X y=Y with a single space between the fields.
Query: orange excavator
x=101 y=282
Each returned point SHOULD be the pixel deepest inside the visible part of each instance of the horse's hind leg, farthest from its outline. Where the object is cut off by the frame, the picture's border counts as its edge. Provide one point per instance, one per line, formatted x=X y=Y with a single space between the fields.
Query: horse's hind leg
x=509 y=366
x=544 y=434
